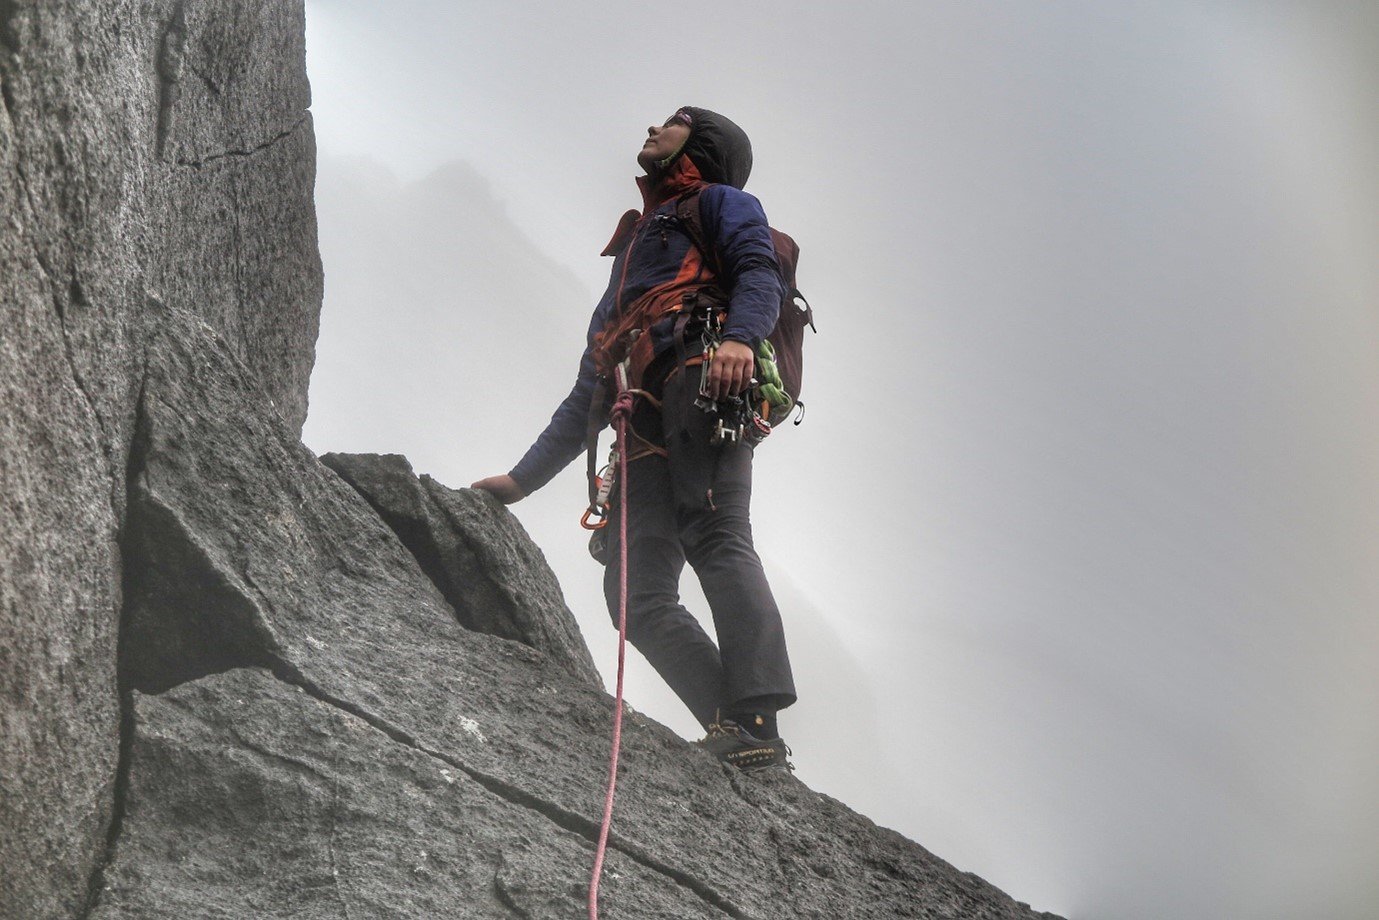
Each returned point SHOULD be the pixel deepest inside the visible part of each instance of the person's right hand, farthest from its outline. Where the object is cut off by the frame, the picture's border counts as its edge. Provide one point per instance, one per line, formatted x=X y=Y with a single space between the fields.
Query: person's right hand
x=730 y=371
x=503 y=487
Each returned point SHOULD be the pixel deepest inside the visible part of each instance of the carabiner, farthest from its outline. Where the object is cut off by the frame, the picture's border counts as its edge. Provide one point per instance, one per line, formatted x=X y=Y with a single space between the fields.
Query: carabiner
x=602 y=514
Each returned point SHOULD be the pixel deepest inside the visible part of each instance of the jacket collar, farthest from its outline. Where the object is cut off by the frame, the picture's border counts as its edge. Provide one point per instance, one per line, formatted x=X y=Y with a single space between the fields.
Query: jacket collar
x=682 y=176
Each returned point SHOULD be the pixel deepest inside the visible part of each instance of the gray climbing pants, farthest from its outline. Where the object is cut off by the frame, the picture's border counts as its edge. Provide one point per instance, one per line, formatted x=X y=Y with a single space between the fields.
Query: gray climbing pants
x=671 y=522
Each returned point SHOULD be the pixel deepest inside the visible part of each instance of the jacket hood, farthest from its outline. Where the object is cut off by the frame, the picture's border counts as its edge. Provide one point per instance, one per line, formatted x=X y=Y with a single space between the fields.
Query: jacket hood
x=719 y=149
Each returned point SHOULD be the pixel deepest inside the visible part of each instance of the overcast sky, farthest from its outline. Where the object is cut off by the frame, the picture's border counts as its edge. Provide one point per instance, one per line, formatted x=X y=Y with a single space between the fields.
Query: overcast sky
x=1078 y=547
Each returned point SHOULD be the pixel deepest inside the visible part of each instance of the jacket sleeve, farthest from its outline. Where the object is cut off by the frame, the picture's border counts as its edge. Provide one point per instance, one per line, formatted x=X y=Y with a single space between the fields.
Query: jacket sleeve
x=564 y=436
x=736 y=224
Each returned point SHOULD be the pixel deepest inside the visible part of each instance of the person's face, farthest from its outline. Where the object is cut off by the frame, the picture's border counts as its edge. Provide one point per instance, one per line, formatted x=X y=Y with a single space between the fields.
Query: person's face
x=662 y=141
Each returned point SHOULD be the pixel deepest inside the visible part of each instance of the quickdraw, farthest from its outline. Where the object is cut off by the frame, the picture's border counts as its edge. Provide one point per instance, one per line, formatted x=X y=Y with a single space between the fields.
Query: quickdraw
x=596 y=515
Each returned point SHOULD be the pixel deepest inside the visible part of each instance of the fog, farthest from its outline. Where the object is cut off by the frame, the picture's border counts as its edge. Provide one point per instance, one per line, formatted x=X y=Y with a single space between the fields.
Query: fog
x=1078 y=546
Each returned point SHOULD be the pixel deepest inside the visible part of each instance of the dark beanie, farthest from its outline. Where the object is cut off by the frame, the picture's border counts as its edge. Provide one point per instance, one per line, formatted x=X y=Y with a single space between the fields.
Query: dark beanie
x=717 y=147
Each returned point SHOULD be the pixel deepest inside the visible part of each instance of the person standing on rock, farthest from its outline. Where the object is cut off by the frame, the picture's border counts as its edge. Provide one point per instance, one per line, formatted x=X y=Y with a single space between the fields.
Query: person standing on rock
x=688 y=498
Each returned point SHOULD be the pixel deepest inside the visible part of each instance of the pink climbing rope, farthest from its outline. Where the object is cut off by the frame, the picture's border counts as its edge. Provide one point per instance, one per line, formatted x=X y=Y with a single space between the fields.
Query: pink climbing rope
x=622 y=411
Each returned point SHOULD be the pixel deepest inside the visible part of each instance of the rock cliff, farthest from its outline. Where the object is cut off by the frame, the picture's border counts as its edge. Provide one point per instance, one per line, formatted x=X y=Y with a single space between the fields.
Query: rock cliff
x=157 y=158
x=236 y=680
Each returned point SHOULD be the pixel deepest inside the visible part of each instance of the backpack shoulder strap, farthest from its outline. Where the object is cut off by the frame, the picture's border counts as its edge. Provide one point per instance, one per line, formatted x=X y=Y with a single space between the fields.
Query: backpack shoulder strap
x=692 y=219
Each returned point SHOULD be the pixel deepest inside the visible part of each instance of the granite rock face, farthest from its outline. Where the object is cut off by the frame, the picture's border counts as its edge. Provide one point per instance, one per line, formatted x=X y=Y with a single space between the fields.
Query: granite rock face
x=231 y=685
x=151 y=152
x=243 y=777
x=476 y=554
x=244 y=551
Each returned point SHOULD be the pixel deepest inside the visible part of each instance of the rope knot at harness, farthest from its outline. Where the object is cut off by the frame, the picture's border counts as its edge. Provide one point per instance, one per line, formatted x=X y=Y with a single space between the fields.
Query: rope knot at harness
x=623 y=407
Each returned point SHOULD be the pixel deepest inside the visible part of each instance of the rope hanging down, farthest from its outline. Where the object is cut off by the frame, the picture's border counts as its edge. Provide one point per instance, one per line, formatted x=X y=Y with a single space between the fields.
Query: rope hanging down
x=621 y=413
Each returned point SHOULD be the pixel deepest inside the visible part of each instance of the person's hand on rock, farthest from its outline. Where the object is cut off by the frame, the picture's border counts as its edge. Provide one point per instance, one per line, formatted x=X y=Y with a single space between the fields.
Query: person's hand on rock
x=503 y=487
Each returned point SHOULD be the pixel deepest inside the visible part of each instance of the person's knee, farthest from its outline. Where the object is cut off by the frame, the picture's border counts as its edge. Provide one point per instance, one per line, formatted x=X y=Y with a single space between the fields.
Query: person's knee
x=644 y=603
x=728 y=543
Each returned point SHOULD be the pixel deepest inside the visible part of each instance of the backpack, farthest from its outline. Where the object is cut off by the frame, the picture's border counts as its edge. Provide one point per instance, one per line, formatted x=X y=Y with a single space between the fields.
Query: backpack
x=787 y=338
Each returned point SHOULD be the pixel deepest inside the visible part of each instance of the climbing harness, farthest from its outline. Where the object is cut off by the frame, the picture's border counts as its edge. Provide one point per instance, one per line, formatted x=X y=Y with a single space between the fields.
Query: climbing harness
x=621 y=413
x=747 y=418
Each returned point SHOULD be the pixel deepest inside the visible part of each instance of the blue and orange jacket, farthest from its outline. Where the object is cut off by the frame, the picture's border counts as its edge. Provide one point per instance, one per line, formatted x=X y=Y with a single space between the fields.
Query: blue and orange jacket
x=656 y=264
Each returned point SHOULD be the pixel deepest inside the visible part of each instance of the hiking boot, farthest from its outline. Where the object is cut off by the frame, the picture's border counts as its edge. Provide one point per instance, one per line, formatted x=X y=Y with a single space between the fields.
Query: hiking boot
x=733 y=744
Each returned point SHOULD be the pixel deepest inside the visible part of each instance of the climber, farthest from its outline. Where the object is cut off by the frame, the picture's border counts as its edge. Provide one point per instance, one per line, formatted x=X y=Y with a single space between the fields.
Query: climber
x=687 y=340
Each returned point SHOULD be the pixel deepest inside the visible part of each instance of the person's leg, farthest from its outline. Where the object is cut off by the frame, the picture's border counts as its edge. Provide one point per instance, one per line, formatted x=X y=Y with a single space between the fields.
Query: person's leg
x=658 y=626
x=757 y=678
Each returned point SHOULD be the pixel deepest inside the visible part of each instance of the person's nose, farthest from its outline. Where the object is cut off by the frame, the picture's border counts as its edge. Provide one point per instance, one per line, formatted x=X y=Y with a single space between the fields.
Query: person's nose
x=653 y=130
